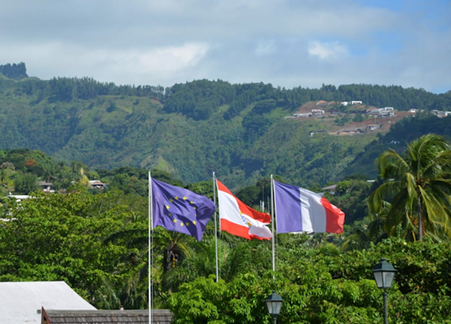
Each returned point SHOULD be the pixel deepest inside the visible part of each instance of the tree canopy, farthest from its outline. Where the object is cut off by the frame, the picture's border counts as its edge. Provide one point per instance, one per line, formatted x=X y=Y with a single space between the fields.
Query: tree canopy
x=417 y=188
x=193 y=129
x=97 y=240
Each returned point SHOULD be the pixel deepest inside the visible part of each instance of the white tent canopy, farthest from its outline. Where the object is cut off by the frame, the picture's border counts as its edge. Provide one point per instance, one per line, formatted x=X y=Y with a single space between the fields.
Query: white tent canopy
x=21 y=302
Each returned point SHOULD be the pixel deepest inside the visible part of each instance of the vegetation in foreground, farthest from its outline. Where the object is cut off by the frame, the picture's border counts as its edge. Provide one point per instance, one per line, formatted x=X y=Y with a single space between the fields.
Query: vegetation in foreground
x=97 y=243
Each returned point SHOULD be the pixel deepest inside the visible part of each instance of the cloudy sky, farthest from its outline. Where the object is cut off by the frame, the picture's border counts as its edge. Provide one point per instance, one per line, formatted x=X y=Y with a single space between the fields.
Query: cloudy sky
x=287 y=43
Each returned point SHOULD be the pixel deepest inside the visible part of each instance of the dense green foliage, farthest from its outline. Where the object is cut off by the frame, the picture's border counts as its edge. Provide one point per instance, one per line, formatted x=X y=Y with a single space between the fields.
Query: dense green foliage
x=14 y=71
x=97 y=240
x=60 y=237
x=98 y=245
x=196 y=128
x=320 y=285
x=417 y=189
x=20 y=170
x=400 y=134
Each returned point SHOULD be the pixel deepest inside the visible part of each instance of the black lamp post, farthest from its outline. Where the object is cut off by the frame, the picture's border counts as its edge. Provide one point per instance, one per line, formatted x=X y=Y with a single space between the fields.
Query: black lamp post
x=383 y=274
x=274 y=303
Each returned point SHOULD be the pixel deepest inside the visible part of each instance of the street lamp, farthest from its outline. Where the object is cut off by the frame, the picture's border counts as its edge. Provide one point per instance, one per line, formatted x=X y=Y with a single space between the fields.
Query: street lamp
x=383 y=274
x=274 y=303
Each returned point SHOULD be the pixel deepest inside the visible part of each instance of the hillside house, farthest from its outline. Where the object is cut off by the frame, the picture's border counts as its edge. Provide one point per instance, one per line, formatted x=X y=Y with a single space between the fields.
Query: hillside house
x=317 y=112
x=18 y=197
x=372 y=127
x=440 y=113
x=307 y=114
x=382 y=112
x=350 y=131
x=45 y=186
x=356 y=102
x=97 y=184
x=331 y=189
x=386 y=113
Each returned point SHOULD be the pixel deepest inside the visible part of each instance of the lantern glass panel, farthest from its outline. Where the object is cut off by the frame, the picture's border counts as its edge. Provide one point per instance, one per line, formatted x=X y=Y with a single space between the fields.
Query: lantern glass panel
x=379 y=279
x=274 y=307
x=388 y=279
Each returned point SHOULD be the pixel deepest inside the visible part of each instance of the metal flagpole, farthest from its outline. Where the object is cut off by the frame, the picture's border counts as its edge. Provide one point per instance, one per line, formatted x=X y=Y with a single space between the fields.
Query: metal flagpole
x=272 y=228
x=150 y=254
x=216 y=228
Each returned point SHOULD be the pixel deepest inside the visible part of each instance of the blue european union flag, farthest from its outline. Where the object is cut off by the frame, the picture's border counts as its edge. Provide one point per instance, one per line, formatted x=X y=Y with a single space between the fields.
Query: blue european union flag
x=180 y=210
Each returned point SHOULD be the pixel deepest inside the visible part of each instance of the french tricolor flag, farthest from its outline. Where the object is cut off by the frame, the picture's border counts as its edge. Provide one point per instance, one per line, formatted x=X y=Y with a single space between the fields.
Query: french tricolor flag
x=301 y=210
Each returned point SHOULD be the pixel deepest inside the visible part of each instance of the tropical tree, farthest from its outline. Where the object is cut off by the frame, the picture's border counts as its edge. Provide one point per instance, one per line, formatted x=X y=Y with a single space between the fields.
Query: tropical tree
x=61 y=237
x=26 y=183
x=417 y=186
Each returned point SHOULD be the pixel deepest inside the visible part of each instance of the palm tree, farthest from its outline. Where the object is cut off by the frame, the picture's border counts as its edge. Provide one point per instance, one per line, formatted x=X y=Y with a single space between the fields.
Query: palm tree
x=363 y=233
x=417 y=185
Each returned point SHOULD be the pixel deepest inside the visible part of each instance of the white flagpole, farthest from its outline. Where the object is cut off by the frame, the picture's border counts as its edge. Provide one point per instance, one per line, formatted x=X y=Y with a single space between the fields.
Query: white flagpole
x=216 y=228
x=150 y=254
x=272 y=227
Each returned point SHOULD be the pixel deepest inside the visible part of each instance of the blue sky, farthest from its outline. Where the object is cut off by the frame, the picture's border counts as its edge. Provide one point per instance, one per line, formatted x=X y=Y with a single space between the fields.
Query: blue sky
x=287 y=43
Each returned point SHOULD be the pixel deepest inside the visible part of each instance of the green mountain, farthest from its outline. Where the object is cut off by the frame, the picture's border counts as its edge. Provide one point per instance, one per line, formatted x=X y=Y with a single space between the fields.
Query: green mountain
x=238 y=131
x=400 y=134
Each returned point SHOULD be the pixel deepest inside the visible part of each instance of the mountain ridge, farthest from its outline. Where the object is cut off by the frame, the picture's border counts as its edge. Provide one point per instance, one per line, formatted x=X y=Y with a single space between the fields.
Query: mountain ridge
x=194 y=129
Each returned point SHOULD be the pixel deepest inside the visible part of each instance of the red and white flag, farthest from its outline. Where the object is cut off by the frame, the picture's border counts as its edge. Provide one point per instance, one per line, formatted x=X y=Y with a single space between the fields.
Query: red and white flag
x=239 y=219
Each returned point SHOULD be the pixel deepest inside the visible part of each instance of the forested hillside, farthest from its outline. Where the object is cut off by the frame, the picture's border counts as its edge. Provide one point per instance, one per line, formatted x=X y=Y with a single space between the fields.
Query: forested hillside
x=238 y=131
x=397 y=138
x=69 y=131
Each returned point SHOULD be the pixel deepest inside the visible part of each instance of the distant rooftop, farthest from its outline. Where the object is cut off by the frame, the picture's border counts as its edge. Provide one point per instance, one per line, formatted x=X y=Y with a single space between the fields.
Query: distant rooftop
x=159 y=316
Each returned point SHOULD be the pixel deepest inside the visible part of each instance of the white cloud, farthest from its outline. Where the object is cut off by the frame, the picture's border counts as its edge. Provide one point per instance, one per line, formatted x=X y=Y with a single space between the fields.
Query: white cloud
x=265 y=47
x=129 y=66
x=162 y=60
x=160 y=65
x=327 y=50
x=283 y=42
